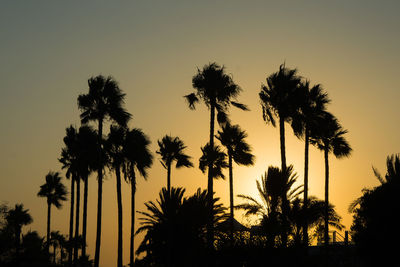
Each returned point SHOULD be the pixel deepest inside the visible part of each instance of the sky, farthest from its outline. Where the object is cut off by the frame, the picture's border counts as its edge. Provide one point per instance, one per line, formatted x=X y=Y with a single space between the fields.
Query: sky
x=49 y=49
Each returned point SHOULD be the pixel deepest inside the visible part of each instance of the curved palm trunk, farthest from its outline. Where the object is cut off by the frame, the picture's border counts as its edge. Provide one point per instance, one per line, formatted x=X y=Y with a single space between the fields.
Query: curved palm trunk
x=210 y=187
x=231 y=194
x=133 y=191
x=305 y=204
x=84 y=219
x=284 y=196
x=99 y=197
x=326 y=227
x=71 y=220
x=169 y=176
x=119 y=204
x=78 y=198
x=48 y=226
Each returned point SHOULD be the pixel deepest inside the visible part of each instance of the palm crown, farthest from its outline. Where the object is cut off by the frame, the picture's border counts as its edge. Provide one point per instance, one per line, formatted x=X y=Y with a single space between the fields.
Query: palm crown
x=215 y=158
x=53 y=189
x=171 y=149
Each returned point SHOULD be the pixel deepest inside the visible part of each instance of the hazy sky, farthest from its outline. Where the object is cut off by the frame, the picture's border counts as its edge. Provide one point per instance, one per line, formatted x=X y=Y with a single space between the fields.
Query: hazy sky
x=49 y=49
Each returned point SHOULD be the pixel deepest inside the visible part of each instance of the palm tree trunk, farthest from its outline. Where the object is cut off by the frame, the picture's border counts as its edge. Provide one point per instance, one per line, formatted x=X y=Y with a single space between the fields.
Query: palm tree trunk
x=169 y=176
x=231 y=194
x=133 y=191
x=326 y=227
x=210 y=189
x=78 y=198
x=48 y=226
x=119 y=204
x=54 y=254
x=99 y=196
x=71 y=220
x=284 y=196
x=305 y=204
x=84 y=219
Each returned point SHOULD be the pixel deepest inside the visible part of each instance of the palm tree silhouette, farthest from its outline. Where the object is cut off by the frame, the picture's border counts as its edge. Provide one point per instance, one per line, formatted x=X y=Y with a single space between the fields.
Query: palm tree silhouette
x=171 y=149
x=69 y=161
x=54 y=191
x=215 y=158
x=16 y=218
x=138 y=157
x=216 y=89
x=233 y=139
x=278 y=100
x=275 y=190
x=313 y=103
x=114 y=148
x=87 y=138
x=330 y=139
x=103 y=101
x=58 y=240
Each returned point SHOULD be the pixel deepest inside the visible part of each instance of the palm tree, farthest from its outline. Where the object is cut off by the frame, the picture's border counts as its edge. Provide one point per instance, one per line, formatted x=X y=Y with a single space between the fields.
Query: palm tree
x=139 y=158
x=183 y=218
x=313 y=103
x=69 y=161
x=87 y=138
x=216 y=89
x=278 y=100
x=276 y=193
x=232 y=137
x=103 y=101
x=55 y=192
x=214 y=158
x=114 y=147
x=16 y=218
x=330 y=139
x=171 y=149
x=58 y=240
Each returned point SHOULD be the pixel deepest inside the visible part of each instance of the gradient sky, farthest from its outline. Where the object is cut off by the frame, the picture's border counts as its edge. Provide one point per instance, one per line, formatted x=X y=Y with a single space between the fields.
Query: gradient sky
x=49 y=49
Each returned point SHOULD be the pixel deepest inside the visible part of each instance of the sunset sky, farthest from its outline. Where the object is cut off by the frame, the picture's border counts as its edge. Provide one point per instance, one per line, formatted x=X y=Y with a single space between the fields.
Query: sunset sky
x=49 y=49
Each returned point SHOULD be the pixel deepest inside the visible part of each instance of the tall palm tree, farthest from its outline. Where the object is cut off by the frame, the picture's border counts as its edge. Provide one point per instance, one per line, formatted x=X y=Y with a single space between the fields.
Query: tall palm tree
x=139 y=158
x=276 y=192
x=330 y=139
x=172 y=149
x=278 y=101
x=233 y=139
x=217 y=90
x=55 y=192
x=69 y=162
x=114 y=147
x=16 y=218
x=313 y=103
x=103 y=101
x=87 y=139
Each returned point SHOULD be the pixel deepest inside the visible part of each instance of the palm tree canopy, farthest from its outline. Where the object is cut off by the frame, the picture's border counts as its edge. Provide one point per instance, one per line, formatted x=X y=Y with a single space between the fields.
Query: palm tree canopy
x=53 y=189
x=172 y=149
x=215 y=88
x=312 y=102
x=114 y=145
x=274 y=184
x=18 y=217
x=104 y=99
x=215 y=157
x=80 y=154
x=279 y=96
x=330 y=137
x=137 y=152
x=233 y=138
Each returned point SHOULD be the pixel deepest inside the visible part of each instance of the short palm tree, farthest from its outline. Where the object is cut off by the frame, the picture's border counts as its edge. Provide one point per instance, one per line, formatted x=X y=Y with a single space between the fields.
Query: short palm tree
x=172 y=149
x=103 y=101
x=313 y=103
x=16 y=218
x=276 y=193
x=217 y=90
x=138 y=158
x=58 y=240
x=330 y=139
x=55 y=192
x=233 y=139
x=114 y=147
